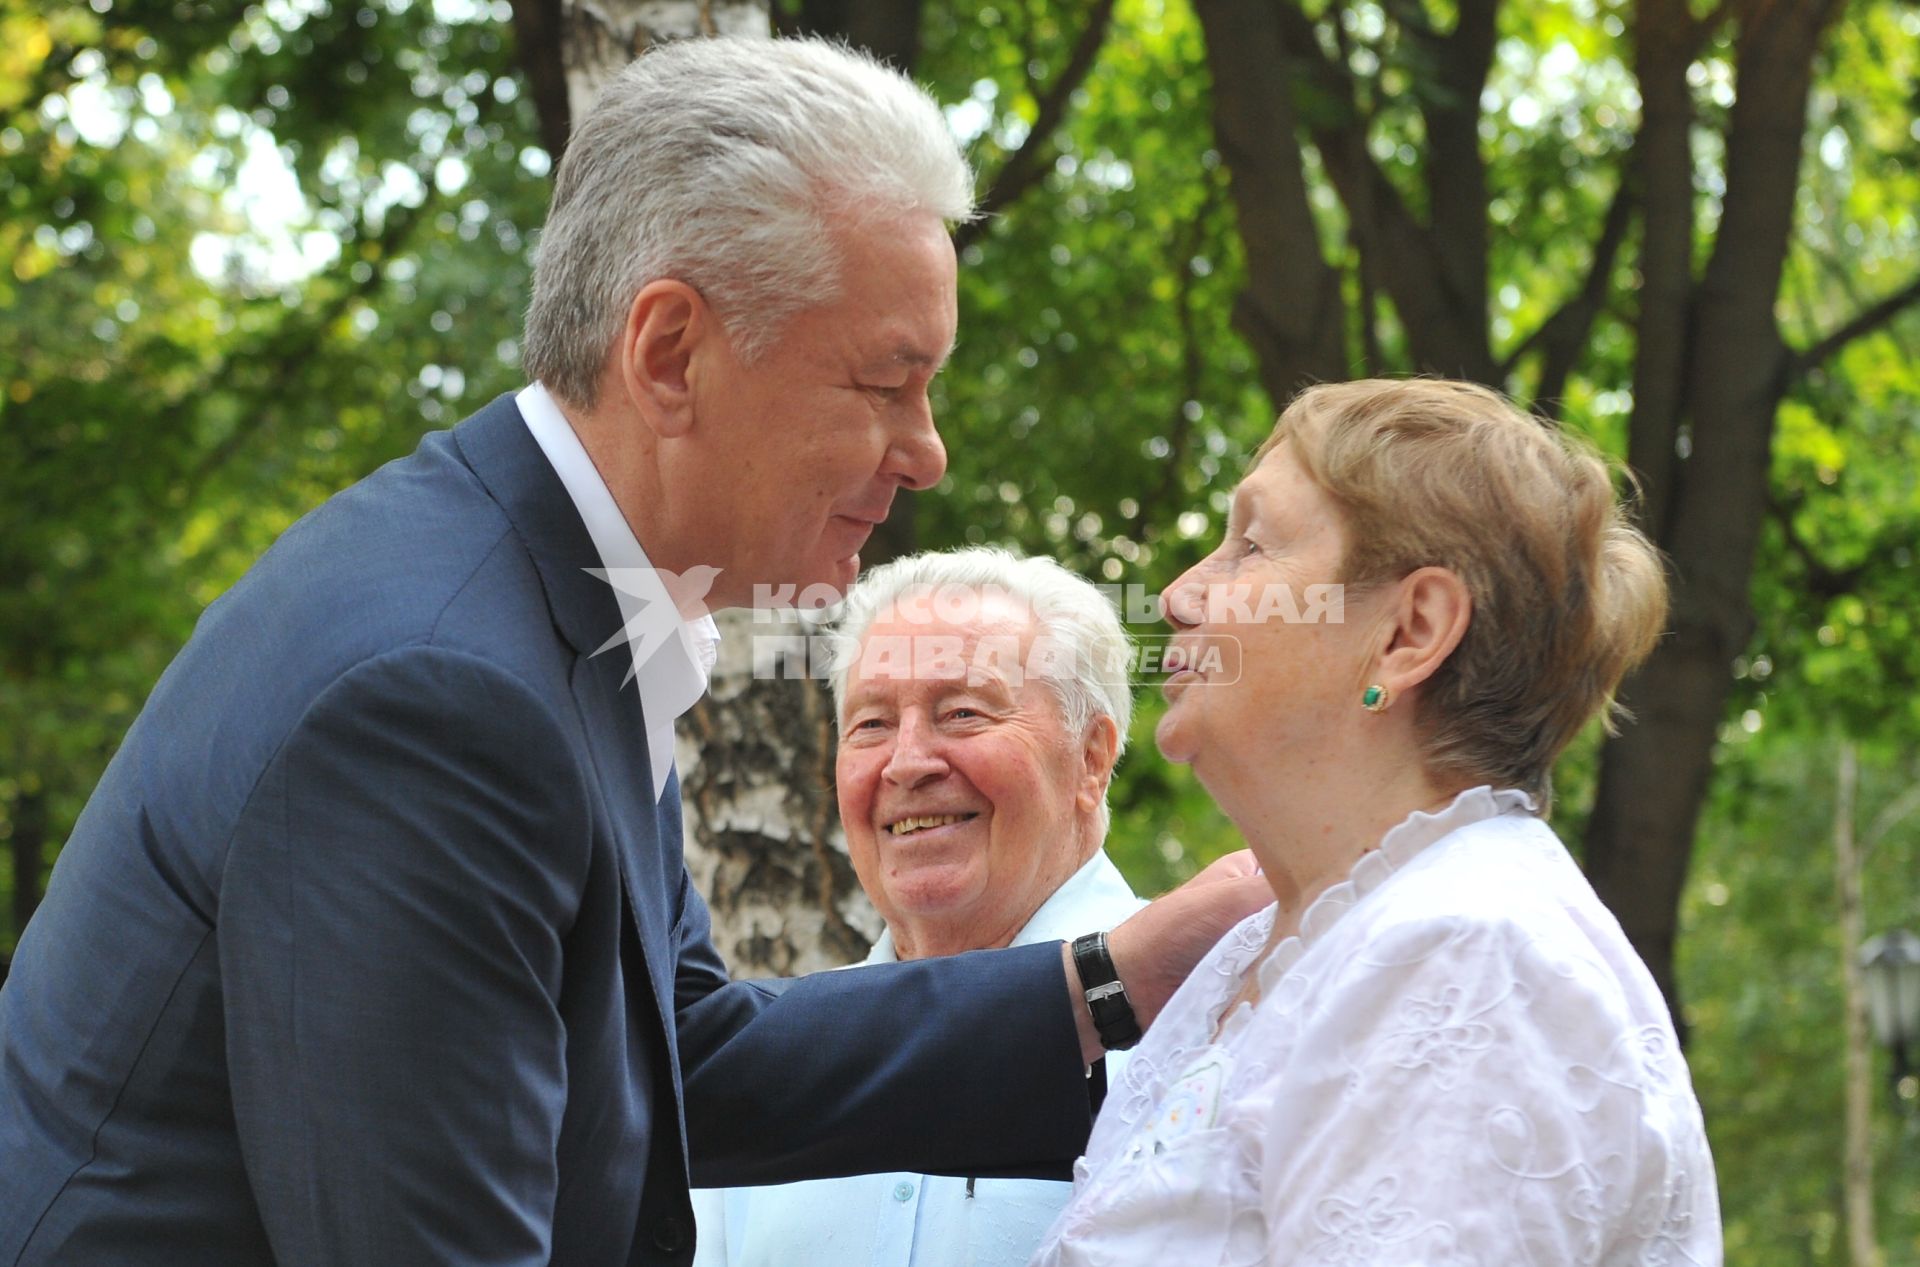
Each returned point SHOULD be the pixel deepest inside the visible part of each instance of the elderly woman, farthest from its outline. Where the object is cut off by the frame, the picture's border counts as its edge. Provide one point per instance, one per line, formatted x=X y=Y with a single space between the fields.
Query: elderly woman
x=983 y=701
x=1437 y=1045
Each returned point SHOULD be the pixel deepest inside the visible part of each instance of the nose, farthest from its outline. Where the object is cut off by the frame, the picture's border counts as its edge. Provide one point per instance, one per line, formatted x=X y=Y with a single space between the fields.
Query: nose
x=1183 y=603
x=916 y=457
x=916 y=757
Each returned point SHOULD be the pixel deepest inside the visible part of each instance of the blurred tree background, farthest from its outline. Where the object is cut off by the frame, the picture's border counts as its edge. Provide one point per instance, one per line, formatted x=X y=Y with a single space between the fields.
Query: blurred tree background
x=250 y=252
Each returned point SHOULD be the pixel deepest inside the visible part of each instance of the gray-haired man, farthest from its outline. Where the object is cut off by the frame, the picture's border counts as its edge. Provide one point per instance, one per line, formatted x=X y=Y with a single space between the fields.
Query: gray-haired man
x=374 y=943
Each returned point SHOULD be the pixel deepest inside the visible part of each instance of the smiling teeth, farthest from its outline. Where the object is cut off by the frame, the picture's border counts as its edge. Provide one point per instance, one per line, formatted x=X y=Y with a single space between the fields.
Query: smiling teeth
x=906 y=825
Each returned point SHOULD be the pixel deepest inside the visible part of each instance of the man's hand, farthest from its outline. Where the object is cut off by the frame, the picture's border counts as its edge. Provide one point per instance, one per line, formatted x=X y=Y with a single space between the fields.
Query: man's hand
x=1156 y=948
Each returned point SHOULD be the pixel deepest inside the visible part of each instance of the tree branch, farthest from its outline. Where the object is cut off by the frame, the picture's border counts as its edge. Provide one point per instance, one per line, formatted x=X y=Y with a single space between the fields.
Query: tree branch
x=1406 y=263
x=1564 y=334
x=1593 y=288
x=1412 y=15
x=1663 y=175
x=1373 y=359
x=1866 y=322
x=1292 y=309
x=1192 y=361
x=1027 y=165
x=1456 y=171
x=1823 y=580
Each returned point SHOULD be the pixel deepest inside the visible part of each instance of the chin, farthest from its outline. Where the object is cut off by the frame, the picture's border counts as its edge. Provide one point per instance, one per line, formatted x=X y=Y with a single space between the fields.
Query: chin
x=1175 y=737
x=843 y=573
x=835 y=574
x=934 y=889
x=799 y=584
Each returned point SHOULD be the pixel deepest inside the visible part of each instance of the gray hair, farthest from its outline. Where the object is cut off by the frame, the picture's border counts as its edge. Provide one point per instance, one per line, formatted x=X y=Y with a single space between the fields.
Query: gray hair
x=720 y=163
x=1071 y=612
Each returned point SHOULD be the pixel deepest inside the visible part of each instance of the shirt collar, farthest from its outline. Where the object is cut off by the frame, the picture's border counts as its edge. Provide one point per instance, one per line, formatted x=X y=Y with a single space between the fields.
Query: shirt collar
x=1089 y=899
x=671 y=656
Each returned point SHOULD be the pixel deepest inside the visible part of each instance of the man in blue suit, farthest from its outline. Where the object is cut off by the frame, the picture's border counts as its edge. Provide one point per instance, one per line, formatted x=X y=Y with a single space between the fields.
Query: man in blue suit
x=374 y=943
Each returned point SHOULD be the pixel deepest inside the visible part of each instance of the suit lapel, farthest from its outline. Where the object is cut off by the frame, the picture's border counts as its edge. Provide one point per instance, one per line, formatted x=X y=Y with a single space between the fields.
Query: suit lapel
x=508 y=461
x=504 y=455
x=649 y=863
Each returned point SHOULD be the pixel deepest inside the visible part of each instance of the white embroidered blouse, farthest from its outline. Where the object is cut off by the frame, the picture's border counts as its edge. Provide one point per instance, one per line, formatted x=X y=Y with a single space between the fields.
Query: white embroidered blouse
x=1458 y=1060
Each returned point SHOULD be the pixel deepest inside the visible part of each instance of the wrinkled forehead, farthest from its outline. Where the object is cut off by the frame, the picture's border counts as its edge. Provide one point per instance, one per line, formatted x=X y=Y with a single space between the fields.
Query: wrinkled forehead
x=962 y=610
x=932 y=641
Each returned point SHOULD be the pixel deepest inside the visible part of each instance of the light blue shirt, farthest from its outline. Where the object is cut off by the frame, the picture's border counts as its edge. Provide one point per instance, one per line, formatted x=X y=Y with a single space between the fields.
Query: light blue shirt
x=908 y=1220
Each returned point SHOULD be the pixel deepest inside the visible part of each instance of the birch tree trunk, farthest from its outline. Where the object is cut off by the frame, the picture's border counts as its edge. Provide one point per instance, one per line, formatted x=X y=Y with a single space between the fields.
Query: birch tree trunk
x=598 y=37
x=764 y=843
x=1857 y=1170
x=755 y=756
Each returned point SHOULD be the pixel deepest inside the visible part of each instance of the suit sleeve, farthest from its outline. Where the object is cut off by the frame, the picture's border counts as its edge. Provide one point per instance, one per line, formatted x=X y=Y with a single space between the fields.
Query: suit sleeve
x=390 y=936
x=965 y=1065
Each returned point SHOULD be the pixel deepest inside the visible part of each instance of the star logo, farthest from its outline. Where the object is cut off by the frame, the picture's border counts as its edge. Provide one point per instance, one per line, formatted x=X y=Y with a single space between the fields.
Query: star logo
x=663 y=601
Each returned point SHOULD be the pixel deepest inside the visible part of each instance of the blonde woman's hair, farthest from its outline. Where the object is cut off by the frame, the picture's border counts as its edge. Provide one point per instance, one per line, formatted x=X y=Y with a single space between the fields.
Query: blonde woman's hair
x=1568 y=596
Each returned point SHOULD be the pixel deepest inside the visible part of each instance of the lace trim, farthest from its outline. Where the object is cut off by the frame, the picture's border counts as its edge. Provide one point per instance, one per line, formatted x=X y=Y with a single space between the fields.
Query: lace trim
x=1139 y=1084
x=1398 y=847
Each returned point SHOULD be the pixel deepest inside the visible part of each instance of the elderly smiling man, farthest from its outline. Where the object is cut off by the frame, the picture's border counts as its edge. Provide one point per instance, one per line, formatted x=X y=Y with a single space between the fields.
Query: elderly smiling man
x=982 y=701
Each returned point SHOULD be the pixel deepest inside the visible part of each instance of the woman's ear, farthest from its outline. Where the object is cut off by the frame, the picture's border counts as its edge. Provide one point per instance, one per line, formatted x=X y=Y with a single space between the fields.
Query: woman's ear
x=1099 y=749
x=1430 y=616
x=665 y=326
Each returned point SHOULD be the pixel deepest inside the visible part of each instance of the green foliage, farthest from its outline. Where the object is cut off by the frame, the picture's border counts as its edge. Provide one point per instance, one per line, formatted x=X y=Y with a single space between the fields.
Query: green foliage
x=175 y=388
x=1761 y=964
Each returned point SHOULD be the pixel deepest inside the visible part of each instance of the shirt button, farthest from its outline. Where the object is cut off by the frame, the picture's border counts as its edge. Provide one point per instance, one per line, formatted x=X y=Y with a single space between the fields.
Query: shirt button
x=903 y=1191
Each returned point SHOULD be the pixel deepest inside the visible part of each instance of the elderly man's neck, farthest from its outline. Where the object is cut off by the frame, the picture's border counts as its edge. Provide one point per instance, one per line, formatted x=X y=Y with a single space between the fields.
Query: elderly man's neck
x=933 y=939
x=930 y=936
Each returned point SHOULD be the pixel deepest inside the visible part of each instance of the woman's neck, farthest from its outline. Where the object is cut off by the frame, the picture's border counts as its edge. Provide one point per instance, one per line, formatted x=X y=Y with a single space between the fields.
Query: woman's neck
x=1309 y=831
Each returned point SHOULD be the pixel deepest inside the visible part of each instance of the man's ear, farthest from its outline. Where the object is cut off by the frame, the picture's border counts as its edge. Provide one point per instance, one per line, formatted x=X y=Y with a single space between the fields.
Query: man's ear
x=665 y=324
x=1429 y=617
x=1099 y=749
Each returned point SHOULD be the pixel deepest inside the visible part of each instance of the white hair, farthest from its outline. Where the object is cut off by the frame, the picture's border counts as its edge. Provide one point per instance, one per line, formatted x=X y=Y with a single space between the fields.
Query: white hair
x=1080 y=622
x=721 y=163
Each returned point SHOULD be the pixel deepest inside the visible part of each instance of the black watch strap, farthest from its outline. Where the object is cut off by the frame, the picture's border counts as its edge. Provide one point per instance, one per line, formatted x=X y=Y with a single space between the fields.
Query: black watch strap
x=1106 y=997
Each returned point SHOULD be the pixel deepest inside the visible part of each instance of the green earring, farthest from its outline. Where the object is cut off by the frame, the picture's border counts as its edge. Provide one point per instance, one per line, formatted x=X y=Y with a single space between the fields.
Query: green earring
x=1375 y=699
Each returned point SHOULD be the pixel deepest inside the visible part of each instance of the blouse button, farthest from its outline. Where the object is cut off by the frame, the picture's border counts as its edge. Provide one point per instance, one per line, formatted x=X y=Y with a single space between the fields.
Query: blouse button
x=903 y=1191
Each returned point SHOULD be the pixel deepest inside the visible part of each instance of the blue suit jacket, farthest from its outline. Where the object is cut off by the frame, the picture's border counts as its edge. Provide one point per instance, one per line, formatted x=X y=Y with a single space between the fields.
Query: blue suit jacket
x=373 y=946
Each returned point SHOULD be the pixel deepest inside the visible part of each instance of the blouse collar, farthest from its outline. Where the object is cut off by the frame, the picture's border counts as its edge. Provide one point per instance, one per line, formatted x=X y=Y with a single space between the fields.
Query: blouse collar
x=1400 y=846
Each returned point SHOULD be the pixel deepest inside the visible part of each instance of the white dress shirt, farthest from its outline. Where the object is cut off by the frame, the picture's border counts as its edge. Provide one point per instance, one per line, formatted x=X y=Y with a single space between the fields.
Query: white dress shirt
x=909 y=1220
x=1458 y=1060
x=671 y=656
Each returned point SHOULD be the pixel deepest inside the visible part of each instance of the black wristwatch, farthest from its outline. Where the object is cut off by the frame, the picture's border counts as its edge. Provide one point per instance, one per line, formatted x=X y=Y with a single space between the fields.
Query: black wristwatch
x=1106 y=997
